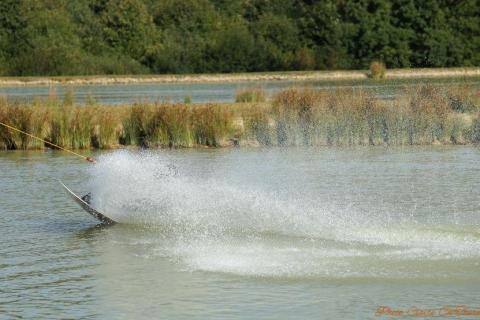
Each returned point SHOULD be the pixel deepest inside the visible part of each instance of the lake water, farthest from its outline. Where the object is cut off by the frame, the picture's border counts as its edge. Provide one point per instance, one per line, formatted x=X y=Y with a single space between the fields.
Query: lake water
x=208 y=92
x=320 y=233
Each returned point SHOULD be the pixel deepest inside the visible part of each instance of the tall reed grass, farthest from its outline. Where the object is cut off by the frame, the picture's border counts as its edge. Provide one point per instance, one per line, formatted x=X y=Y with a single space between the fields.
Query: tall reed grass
x=176 y=125
x=420 y=115
x=255 y=94
x=377 y=70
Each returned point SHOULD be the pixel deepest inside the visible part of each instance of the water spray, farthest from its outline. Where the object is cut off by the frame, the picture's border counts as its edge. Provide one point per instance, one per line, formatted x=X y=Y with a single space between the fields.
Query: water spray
x=89 y=159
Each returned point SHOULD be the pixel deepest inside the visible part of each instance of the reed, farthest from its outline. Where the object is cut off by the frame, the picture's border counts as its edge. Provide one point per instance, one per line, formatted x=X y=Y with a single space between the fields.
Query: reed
x=341 y=117
x=69 y=97
x=170 y=126
x=377 y=70
x=420 y=115
x=259 y=128
x=212 y=125
x=251 y=95
x=106 y=128
x=475 y=131
x=20 y=118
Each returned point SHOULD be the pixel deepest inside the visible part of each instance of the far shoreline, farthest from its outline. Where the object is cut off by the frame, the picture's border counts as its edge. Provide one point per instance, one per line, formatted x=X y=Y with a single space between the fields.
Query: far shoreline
x=340 y=75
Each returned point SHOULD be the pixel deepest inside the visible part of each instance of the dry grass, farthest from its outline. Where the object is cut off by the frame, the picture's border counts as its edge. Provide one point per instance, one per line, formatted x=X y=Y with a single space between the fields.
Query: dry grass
x=406 y=73
x=377 y=70
x=295 y=117
x=251 y=95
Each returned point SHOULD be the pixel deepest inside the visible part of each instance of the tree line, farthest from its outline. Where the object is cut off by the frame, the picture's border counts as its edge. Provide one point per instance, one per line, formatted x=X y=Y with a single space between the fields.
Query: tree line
x=86 y=37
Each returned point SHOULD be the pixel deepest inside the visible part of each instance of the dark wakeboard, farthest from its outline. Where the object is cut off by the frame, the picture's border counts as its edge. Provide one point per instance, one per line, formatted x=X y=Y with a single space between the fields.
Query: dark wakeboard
x=85 y=203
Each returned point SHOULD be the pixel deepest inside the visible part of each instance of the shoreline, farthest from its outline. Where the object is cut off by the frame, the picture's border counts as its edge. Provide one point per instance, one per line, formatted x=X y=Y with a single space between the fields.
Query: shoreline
x=88 y=151
x=392 y=74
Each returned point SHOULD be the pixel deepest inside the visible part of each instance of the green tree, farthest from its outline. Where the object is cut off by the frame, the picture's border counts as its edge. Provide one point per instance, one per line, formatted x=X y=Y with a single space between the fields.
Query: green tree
x=276 y=40
x=10 y=42
x=187 y=27
x=463 y=17
x=370 y=35
x=127 y=26
x=49 y=44
x=322 y=30
x=233 y=48
x=59 y=37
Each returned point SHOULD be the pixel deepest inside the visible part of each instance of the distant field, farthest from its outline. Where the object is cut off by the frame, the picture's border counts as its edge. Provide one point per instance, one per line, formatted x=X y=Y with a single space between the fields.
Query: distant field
x=238 y=77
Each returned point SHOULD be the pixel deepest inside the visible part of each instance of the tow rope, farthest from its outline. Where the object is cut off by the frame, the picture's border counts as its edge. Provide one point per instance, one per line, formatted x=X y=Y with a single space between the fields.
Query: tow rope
x=89 y=159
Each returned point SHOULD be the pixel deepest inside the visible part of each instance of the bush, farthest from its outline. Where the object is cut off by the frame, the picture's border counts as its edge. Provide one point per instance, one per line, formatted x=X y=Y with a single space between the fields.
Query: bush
x=251 y=95
x=377 y=70
x=476 y=131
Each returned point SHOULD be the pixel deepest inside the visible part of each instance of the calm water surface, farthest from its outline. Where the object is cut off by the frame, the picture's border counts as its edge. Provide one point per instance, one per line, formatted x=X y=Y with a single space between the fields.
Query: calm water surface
x=209 y=92
x=321 y=233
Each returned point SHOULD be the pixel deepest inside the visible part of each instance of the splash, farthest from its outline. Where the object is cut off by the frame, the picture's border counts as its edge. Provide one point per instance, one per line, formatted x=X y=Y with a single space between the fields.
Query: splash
x=149 y=189
x=213 y=224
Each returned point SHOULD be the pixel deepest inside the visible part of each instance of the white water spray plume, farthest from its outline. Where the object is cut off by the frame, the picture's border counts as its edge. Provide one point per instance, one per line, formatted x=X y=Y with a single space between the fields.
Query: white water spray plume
x=215 y=224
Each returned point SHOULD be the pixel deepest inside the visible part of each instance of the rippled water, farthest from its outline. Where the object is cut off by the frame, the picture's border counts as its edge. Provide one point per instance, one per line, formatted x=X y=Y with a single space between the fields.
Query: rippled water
x=239 y=233
x=209 y=92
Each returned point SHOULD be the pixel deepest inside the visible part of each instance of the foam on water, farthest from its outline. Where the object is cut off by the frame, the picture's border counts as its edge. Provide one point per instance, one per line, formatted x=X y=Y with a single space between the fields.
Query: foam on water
x=210 y=224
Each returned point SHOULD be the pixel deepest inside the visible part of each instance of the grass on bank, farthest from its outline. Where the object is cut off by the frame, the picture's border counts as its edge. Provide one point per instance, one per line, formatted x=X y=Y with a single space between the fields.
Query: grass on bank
x=420 y=115
x=324 y=75
x=251 y=95
x=377 y=70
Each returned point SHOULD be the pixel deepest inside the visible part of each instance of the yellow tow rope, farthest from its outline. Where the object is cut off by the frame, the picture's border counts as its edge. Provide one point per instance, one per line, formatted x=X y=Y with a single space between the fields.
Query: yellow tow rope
x=89 y=159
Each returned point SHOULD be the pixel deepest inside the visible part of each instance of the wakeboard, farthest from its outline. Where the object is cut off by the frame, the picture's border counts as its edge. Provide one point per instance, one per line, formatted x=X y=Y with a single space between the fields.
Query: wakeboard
x=85 y=203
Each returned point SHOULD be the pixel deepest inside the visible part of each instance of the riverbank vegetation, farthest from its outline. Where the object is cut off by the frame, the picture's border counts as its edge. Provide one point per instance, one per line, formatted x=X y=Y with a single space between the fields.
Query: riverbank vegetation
x=98 y=37
x=292 y=76
x=421 y=115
